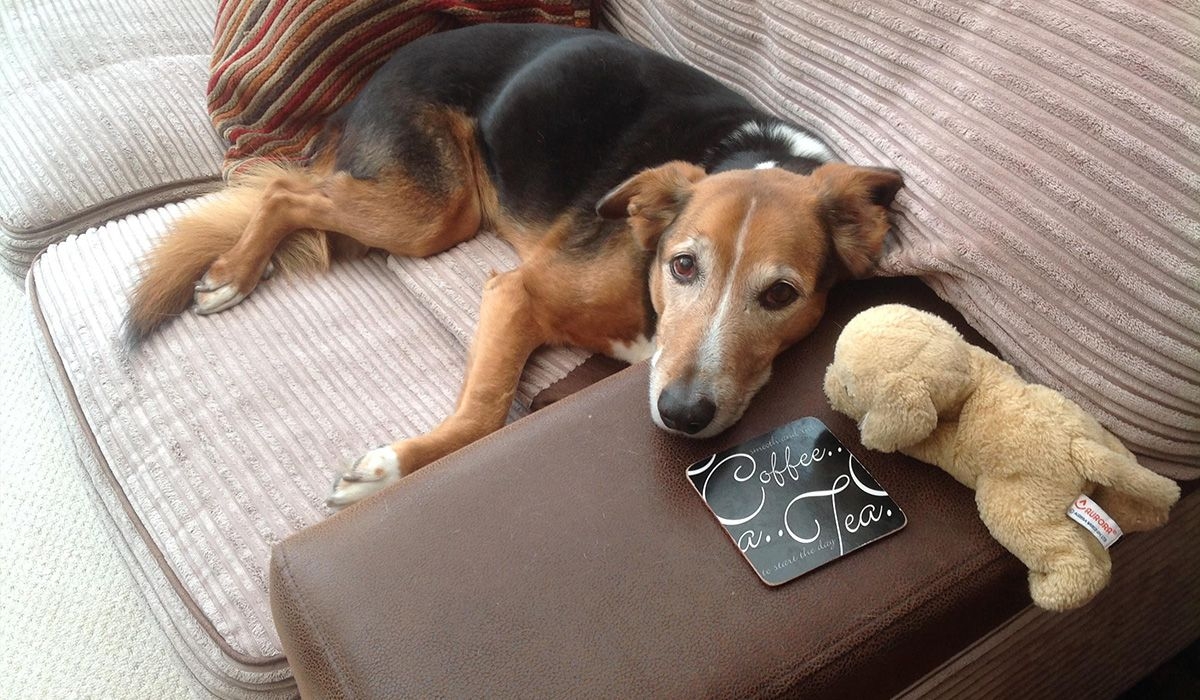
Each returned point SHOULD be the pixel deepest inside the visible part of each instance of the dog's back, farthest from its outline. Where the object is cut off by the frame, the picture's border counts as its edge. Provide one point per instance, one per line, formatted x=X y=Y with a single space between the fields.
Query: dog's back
x=562 y=114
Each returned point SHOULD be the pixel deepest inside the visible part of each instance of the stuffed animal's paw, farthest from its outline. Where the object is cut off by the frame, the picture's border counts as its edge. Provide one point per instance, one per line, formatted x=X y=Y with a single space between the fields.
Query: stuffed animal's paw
x=1070 y=584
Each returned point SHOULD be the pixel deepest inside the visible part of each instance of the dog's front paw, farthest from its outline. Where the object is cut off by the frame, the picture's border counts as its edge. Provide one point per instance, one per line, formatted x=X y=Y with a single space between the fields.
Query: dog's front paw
x=373 y=471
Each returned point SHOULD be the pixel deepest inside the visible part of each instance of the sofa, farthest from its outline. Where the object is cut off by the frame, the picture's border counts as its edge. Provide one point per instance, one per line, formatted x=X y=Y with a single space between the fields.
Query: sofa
x=1049 y=211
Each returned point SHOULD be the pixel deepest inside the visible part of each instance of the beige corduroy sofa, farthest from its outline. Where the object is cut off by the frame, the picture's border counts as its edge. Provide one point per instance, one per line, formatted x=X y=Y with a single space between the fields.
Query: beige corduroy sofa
x=1050 y=156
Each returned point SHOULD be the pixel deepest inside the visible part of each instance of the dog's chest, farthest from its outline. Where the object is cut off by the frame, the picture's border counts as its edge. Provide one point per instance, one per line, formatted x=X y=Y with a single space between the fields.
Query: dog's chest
x=641 y=348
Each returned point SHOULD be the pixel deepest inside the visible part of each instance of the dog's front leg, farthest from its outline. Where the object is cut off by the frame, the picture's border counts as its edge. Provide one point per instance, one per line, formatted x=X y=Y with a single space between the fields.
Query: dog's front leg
x=508 y=332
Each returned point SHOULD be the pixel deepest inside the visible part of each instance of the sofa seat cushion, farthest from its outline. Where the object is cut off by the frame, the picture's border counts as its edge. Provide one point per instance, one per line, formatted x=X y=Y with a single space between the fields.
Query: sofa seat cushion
x=1050 y=155
x=103 y=109
x=219 y=436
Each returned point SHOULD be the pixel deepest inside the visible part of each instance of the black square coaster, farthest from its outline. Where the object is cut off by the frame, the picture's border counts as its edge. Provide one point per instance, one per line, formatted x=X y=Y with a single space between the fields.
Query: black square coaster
x=794 y=499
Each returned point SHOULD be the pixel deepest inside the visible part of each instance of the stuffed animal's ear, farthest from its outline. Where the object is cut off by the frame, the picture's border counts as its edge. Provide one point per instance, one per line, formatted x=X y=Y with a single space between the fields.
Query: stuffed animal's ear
x=901 y=415
x=651 y=199
x=854 y=204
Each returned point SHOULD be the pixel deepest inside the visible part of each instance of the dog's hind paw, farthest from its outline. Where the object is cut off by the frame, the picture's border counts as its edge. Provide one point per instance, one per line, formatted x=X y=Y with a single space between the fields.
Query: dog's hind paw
x=212 y=296
x=371 y=473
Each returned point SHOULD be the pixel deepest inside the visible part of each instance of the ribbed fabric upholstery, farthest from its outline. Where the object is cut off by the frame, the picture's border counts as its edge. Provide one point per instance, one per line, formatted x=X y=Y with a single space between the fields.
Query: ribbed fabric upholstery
x=102 y=103
x=221 y=435
x=1051 y=152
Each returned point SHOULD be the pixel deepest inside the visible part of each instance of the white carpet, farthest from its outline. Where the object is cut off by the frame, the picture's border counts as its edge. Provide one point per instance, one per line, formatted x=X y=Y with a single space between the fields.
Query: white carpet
x=72 y=624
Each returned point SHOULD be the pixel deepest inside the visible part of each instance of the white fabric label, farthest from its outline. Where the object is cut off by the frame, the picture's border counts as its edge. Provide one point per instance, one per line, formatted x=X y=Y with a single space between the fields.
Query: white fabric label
x=1092 y=517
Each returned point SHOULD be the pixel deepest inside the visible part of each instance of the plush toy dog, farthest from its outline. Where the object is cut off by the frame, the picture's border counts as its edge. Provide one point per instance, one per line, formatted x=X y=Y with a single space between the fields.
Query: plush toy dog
x=915 y=385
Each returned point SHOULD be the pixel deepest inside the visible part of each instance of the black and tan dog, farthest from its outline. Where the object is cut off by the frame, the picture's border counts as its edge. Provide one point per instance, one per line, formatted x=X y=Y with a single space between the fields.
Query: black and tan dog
x=656 y=214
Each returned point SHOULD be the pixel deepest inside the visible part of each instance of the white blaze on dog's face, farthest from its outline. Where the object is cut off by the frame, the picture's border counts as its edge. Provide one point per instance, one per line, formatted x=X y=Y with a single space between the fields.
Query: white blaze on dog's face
x=744 y=262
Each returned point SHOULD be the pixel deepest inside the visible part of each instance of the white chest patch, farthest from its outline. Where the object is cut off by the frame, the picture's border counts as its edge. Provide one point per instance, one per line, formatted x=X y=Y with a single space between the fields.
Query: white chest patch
x=634 y=352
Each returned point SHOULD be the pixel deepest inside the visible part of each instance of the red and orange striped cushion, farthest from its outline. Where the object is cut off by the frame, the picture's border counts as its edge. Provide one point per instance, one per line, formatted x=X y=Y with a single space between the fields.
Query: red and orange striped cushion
x=280 y=67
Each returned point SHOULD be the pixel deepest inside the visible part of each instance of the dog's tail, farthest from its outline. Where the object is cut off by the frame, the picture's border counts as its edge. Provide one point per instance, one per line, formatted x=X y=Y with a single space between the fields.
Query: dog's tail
x=197 y=239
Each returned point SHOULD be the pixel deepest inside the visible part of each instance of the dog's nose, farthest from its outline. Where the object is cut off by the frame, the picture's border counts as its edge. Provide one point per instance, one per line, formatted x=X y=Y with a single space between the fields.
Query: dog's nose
x=681 y=408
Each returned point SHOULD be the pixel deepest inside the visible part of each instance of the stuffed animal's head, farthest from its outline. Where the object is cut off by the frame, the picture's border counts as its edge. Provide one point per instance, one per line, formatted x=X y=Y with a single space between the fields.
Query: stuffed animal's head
x=894 y=370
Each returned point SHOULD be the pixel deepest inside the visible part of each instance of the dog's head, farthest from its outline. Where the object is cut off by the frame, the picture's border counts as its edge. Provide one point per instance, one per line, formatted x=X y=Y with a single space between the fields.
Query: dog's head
x=744 y=262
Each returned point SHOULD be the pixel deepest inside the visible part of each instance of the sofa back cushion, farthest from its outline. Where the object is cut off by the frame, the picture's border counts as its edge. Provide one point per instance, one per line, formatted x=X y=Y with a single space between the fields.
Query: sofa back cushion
x=102 y=107
x=1050 y=152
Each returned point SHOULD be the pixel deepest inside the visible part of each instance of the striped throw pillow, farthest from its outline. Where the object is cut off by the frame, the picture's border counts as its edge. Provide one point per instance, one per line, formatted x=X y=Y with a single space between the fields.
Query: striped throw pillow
x=280 y=67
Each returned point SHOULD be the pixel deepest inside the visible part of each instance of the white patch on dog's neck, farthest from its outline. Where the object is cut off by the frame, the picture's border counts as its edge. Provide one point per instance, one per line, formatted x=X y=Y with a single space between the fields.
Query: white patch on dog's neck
x=798 y=143
x=766 y=165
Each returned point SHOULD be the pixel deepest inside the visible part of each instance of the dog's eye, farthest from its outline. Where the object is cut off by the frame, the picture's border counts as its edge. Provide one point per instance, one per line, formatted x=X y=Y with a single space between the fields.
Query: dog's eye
x=683 y=267
x=778 y=296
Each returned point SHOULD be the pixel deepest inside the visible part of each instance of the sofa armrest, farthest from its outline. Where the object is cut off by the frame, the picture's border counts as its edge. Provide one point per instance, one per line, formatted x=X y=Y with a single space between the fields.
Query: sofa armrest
x=568 y=555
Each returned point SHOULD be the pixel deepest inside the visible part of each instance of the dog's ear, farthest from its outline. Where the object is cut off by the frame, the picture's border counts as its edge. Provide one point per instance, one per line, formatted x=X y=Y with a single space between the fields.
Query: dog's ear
x=651 y=199
x=854 y=206
x=902 y=414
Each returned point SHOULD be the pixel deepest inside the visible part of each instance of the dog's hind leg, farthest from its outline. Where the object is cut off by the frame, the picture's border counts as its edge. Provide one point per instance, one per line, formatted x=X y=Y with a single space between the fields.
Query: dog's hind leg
x=286 y=205
x=509 y=331
x=404 y=205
